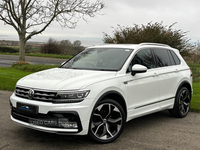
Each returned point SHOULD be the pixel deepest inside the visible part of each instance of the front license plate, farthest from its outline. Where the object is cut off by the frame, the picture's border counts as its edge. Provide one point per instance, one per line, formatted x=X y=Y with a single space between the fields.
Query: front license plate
x=27 y=108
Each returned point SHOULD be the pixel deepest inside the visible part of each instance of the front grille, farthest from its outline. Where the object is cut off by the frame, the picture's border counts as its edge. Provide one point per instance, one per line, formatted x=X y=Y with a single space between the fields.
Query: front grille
x=39 y=95
x=22 y=116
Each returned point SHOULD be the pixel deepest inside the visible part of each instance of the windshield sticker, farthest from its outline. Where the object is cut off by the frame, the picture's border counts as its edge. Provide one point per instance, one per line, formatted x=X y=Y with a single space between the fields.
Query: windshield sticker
x=127 y=50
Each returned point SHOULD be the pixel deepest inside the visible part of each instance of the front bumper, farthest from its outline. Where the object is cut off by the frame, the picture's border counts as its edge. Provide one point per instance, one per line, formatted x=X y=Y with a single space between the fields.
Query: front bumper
x=49 y=122
x=44 y=129
x=53 y=118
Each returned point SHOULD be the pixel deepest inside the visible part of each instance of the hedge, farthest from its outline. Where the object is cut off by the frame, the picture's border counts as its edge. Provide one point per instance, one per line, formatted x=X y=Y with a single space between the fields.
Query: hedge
x=8 y=50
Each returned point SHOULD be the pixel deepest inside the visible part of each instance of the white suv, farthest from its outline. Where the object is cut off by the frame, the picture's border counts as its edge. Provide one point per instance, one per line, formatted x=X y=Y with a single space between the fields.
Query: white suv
x=103 y=87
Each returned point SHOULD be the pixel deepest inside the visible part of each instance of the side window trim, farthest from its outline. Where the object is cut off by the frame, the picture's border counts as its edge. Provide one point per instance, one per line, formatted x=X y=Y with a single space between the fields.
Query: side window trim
x=154 y=57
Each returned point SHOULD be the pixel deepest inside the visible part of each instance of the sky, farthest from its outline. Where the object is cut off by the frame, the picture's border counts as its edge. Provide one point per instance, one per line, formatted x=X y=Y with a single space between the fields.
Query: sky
x=124 y=13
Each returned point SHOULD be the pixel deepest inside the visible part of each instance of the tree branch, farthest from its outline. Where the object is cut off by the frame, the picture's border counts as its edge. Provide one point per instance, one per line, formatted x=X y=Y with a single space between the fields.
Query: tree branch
x=13 y=14
x=37 y=15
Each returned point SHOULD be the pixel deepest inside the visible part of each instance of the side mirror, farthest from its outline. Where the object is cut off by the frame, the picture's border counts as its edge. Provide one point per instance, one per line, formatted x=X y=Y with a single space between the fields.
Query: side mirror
x=138 y=69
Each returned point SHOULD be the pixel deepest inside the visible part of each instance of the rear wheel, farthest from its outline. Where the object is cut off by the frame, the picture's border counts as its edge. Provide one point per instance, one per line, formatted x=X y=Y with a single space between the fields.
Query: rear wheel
x=182 y=103
x=107 y=121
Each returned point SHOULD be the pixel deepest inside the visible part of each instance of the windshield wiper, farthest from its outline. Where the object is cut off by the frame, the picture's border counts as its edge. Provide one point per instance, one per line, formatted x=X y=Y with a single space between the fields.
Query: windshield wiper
x=95 y=69
x=106 y=69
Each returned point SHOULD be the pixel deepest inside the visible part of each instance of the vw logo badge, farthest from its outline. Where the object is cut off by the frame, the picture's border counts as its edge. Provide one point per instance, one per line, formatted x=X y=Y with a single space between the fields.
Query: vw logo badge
x=30 y=93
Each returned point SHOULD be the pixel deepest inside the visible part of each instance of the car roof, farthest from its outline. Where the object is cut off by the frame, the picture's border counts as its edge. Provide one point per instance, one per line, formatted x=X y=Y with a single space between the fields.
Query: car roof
x=130 y=46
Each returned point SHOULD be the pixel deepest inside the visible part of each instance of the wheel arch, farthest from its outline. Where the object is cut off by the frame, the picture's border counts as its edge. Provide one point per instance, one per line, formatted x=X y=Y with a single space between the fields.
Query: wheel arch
x=182 y=111
x=116 y=96
x=187 y=85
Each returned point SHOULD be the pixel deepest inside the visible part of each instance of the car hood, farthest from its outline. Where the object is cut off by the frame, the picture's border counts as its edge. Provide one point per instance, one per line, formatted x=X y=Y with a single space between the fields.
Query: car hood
x=64 y=79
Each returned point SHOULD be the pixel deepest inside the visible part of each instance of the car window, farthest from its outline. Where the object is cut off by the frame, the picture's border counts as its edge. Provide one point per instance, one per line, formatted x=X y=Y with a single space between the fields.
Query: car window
x=162 y=57
x=176 y=59
x=171 y=58
x=143 y=57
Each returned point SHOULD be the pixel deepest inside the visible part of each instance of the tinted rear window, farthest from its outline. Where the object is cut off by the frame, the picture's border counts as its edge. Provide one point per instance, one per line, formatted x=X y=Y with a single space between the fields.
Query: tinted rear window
x=162 y=57
x=176 y=59
x=171 y=58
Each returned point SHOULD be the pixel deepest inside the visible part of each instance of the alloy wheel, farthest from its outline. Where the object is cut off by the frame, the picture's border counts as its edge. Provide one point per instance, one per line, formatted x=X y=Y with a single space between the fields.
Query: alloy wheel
x=184 y=102
x=107 y=121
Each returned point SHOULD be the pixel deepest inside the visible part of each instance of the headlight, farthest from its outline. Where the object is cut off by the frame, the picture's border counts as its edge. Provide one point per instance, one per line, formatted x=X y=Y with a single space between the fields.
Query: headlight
x=71 y=96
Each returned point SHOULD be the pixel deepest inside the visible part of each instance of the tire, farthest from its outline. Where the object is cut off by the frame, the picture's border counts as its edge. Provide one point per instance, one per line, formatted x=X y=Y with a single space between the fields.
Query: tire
x=107 y=121
x=182 y=103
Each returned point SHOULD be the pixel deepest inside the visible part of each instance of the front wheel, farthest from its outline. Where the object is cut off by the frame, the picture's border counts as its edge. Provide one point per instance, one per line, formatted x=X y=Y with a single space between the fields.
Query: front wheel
x=182 y=103
x=107 y=121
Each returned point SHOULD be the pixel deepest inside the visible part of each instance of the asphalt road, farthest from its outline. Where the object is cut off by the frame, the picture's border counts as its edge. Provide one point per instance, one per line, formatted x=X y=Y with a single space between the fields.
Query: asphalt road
x=8 y=60
x=158 y=131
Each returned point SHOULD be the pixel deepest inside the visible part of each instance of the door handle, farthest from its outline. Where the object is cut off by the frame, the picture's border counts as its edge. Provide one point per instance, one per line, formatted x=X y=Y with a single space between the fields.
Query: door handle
x=155 y=75
x=176 y=71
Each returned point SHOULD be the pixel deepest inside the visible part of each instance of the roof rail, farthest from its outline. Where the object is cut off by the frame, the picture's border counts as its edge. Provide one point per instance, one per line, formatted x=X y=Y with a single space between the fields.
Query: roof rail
x=156 y=44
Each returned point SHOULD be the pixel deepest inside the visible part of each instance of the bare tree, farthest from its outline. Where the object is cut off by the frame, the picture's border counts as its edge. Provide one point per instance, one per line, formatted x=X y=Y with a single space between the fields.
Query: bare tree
x=31 y=17
x=77 y=43
x=66 y=46
x=77 y=46
x=51 y=47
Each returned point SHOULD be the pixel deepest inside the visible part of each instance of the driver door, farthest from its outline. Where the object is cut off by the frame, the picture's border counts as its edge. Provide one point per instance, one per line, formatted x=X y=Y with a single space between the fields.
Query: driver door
x=143 y=88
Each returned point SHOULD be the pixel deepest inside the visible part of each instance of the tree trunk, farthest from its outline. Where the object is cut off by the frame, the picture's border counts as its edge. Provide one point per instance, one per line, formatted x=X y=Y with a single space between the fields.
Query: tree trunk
x=22 y=49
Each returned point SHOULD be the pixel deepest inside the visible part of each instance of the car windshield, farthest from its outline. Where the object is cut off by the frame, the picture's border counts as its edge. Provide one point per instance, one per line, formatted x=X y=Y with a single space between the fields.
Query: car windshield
x=111 y=59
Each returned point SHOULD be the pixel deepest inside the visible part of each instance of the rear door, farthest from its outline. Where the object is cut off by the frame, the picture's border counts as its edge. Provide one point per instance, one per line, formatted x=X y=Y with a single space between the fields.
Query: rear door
x=168 y=73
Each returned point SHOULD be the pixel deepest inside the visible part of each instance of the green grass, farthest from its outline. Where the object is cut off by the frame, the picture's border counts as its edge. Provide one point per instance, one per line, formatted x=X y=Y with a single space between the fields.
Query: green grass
x=195 y=103
x=195 y=71
x=49 y=55
x=32 y=68
x=42 y=55
x=9 y=77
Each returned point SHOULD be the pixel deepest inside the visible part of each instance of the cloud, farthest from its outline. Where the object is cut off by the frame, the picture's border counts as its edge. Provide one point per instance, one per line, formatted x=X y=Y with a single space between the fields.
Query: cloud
x=4 y=35
x=125 y=13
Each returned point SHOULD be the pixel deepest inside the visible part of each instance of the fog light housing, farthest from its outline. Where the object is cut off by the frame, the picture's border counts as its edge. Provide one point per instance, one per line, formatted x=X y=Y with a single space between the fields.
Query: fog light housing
x=63 y=122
